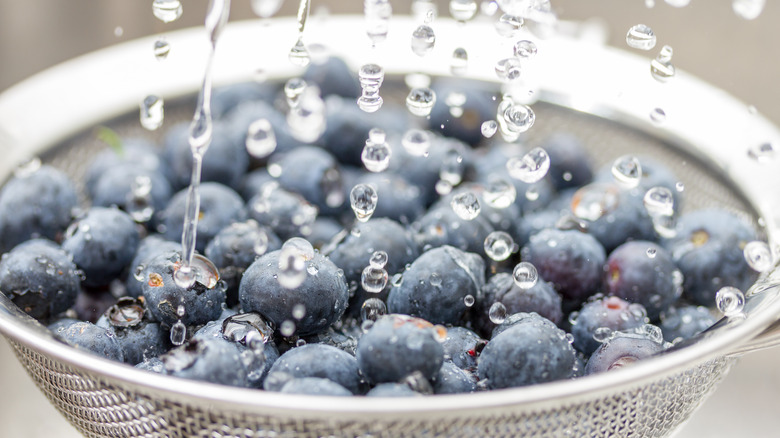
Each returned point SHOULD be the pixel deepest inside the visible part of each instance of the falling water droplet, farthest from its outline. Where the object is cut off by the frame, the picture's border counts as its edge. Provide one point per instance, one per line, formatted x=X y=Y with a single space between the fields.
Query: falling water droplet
x=167 y=10
x=525 y=275
x=178 y=333
x=641 y=37
x=661 y=67
x=139 y=200
x=748 y=9
x=514 y=119
x=489 y=128
x=420 y=101
x=460 y=62
x=499 y=193
x=497 y=313
x=416 y=142
x=659 y=201
x=372 y=309
x=152 y=112
x=463 y=10
x=377 y=15
x=508 y=25
x=658 y=116
x=531 y=167
x=469 y=300
x=307 y=119
x=466 y=205
x=260 y=139
x=161 y=49
x=299 y=55
x=266 y=8
x=508 y=69
x=363 y=199
x=378 y=259
x=452 y=168
x=376 y=155
x=292 y=262
x=758 y=256
x=423 y=40
x=287 y=328
x=730 y=301
x=525 y=49
x=373 y=280
x=498 y=245
x=424 y=10
x=627 y=171
x=293 y=90
x=677 y=3
x=371 y=77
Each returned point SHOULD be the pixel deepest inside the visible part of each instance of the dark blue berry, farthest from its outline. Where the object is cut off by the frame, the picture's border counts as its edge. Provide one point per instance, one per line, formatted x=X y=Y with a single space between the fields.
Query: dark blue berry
x=86 y=336
x=569 y=162
x=623 y=349
x=141 y=153
x=287 y=213
x=314 y=174
x=611 y=312
x=462 y=347
x=333 y=76
x=314 y=386
x=322 y=361
x=441 y=226
x=148 y=248
x=392 y=390
x=463 y=122
x=227 y=97
x=138 y=337
x=397 y=199
x=211 y=360
x=136 y=190
x=540 y=298
x=454 y=380
x=684 y=322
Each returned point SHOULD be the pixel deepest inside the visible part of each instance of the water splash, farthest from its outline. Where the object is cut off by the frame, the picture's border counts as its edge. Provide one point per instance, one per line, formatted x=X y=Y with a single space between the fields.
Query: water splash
x=641 y=37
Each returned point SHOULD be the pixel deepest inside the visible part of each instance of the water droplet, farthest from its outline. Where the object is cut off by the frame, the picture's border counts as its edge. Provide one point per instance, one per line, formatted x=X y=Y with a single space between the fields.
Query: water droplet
x=532 y=193
x=498 y=245
x=416 y=142
x=372 y=309
x=299 y=55
x=499 y=193
x=466 y=205
x=525 y=275
x=514 y=119
x=763 y=153
x=489 y=128
x=508 y=25
x=435 y=279
x=152 y=112
x=652 y=252
x=460 y=62
x=627 y=171
x=488 y=8
x=443 y=188
x=184 y=277
x=758 y=256
x=378 y=259
x=178 y=333
x=371 y=77
x=658 y=115
x=469 y=300
x=420 y=101
x=423 y=40
x=167 y=10
x=531 y=167
x=641 y=37
x=730 y=301
x=260 y=139
x=376 y=156
x=287 y=328
x=261 y=242
x=298 y=311
x=293 y=89
x=161 y=49
x=292 y=262
x=677 y=3
x=659 y=201
x=748 y=9
x=452 y=168
x=373 y=280
x=497 y=313
x=602 y=334
x=377 y=15
x=661 y=67
x=307 y=118
x=363 y=199
x=266 y=8
x=508 y=69
x=525 y=49
x=28 y=168
x=463 y=10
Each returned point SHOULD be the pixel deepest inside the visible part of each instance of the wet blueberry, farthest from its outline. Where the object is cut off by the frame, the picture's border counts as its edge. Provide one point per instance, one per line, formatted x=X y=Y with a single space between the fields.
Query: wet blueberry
x=684 y=322
x=148 y=248
x=209 y=360
x=463 y=121
x=454 y=380
x=442 y=226
x=462 y=347
x=86 y=336
x=611 y=312
x=501 y=288
x=314 y=386
x=139 y=191
x=392 y=390
x=569 y=162
x=623 y=349
x=322 y=361
x=287 y=213
x=314 y=174
x=333 y=76
x=139 y=337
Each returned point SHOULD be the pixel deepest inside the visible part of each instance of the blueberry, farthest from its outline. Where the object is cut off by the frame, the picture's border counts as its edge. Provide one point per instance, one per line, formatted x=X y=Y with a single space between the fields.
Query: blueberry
x=322 y=361
x=392 y=390
x=323 y=231
x=86 y=336
x=708 y=249
x=533 y=222
x=235 y=247
x=684 y=322
x=463 y=122
x=148 y=248
x=323 y=293
x=287 y=213
x=40 y=278
x=37 y=204
x=438 y=285
x=92 y=303
x=454 y=380
x=341 y=339
x=540 y=298
x=442 y=226
x=643 y=272
x=102 y=244
x=462 y=347
x=164 y=297
x=225 y=162
x=134 y=189
x=210 y=360
x=569 y=162
x=315 y=386
x=399 y=345
x=621 y=214
x=531 y=351
x=623 y=349
x=397 y=199
x=501 y=219
x=219 y=207
x=611 y=312
x=138 y=337
x=654 y=174
x=141 y=153
x=353 y=253
x=152 y=364
x=333 y=76
x=572 y=261
x=227 y=97
x=314 y=174
x=253 y=182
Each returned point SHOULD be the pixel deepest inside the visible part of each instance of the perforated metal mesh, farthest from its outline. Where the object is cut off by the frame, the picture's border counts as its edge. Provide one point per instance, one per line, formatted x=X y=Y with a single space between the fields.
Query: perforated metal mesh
x=99 y=407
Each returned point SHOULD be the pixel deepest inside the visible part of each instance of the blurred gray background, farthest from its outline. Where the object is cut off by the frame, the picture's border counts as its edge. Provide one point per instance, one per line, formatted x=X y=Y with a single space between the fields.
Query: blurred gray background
x=709 y=40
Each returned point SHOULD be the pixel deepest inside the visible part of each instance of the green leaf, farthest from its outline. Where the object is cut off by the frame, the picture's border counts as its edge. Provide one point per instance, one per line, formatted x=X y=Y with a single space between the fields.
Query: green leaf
x=111 y=138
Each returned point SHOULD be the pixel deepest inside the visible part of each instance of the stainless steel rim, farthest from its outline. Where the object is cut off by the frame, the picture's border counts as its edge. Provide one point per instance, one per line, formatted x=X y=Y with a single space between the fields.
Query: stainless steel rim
x=64 y=100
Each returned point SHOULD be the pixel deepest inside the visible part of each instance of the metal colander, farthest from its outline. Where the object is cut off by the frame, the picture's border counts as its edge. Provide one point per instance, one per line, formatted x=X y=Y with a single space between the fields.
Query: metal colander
x=608 y=111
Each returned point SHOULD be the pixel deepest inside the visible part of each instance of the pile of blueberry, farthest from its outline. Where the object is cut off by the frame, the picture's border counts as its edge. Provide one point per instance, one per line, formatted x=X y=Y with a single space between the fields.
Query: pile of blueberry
x=446 y=272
